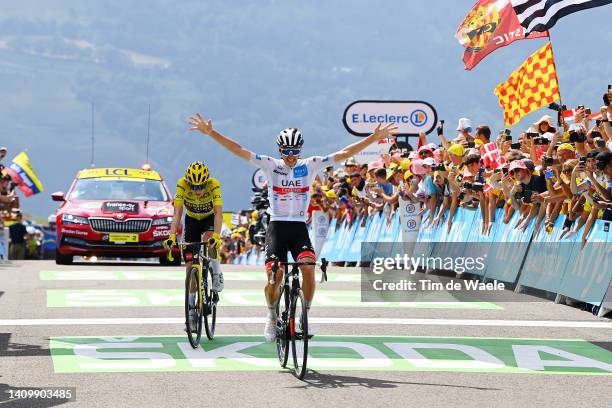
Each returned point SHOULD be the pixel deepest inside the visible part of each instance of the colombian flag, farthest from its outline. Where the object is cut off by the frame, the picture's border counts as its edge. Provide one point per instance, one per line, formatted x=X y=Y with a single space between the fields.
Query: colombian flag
x=23 y=174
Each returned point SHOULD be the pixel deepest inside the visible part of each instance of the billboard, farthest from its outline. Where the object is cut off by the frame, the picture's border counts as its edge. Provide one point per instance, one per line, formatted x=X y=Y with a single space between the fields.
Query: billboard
x=411 y=117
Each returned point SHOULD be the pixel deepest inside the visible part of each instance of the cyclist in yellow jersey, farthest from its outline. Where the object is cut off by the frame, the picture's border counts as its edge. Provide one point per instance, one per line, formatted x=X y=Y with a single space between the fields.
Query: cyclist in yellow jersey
x=200 y=194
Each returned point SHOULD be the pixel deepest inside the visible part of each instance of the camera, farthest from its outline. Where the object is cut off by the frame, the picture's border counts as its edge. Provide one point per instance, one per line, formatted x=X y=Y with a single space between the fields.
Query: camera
x=439 y=167
x=583 y=160
x=587 y=111
x=600 y=143
x=577 y=137
x=471 y=145
x=532 y=135
x=556 y=107
x=508 y=138
x=477 y=187
x=527 y=196
x=516 y=145
x=547 y=160
x=461 y=196
x=473 y=186
x=539 y=141
x=507 y=131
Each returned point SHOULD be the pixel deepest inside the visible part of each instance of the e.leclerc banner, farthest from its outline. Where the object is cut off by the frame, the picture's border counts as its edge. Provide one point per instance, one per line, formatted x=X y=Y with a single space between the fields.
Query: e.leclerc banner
x=411 y=117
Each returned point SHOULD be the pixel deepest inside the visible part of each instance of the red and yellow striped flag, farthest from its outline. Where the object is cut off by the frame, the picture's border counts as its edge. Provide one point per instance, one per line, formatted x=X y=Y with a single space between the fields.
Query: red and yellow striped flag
x=532 y=86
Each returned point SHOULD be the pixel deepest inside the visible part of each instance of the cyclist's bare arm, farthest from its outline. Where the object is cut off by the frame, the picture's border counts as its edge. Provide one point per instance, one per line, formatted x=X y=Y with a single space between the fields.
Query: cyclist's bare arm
x=218 y=213
x=205 y=126
x=379 y=133
x=176 y=218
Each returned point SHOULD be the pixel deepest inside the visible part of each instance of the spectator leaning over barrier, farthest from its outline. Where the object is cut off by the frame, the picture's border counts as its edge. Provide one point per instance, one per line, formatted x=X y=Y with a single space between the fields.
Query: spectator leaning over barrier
x=17 y=235
x=599 y=198
x=526 y=196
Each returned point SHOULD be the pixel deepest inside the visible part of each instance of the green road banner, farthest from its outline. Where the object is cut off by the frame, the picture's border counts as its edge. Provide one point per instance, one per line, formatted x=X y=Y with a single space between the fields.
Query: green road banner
x=332 y=353
x=171 y=275
x=244 y=298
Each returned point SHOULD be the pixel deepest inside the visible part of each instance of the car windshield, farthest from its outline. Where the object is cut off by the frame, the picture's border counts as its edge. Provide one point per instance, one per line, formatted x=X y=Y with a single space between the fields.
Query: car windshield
x=106 y=188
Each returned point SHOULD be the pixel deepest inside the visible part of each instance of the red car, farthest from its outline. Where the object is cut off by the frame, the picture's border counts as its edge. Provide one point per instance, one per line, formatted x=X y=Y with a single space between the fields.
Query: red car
x=114 y=212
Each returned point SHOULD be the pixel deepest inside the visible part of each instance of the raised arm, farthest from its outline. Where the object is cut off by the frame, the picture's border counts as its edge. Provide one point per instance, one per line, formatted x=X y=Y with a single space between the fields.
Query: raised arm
x=352 y=149
x=198 y=123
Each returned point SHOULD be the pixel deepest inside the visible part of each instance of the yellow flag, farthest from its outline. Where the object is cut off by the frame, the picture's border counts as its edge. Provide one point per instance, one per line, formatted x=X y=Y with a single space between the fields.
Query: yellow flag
x=530 y=87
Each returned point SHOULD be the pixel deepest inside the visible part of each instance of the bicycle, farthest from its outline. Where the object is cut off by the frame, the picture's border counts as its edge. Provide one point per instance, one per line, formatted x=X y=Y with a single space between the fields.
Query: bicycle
x=290 y=305
x=199 y=280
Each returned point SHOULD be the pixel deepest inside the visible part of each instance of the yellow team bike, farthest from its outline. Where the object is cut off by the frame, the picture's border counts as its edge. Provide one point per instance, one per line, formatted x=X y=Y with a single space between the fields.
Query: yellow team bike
x=199 y=281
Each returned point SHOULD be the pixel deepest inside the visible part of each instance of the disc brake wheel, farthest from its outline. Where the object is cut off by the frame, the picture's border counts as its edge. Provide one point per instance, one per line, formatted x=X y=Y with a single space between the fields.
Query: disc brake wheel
x=194 y=325
x=210 y=308
x=298 y=325
x=282 y=339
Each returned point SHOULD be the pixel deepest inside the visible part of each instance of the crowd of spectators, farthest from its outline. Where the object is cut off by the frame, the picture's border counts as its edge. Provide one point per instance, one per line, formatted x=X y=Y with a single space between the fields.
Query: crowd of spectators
x=558 y=165
x=547 y=170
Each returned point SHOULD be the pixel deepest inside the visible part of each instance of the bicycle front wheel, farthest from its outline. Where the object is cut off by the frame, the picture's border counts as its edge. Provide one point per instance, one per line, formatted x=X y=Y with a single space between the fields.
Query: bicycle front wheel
x=298 y=325
x=193 y=310
x=210 y=306
x=283 y=337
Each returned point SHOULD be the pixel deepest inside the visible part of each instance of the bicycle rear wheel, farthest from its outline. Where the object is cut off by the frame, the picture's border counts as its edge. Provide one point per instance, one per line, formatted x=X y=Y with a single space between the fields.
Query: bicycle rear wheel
x=298 y=324
x=282 y=340
x=194 y=327
x=210 y=305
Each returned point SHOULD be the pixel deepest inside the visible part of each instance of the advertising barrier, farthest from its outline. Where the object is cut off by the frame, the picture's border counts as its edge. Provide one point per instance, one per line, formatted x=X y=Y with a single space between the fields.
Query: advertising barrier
x=542 y=260
x=4 y=244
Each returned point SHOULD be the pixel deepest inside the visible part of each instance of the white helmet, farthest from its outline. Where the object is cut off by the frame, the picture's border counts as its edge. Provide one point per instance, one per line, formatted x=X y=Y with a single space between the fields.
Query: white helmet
x=290 y=138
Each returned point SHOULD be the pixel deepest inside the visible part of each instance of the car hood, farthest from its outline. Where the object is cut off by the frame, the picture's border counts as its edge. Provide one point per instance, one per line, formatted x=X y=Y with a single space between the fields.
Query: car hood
x=118 y=208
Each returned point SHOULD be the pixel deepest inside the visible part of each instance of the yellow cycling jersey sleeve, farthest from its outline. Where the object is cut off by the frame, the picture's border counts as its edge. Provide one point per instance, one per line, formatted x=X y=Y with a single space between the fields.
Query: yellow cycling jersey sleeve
x=198 y=207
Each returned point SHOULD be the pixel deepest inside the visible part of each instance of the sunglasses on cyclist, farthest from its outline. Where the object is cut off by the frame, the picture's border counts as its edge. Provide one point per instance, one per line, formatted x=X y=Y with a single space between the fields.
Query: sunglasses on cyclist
x=197 y=188
x=290 y=152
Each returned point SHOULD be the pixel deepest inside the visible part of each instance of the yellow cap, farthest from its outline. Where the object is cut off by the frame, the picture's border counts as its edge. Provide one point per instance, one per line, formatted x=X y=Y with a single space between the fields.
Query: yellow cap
x=393 y=166
x=407 y=174
x=478 y=142
x=331 y=194
x=405 y=164
x=325 y=188
x=566 y=146
x=457 y=149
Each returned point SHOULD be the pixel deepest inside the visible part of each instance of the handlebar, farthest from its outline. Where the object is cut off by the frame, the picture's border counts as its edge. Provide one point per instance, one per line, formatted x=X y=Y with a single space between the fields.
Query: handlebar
x=323 y=265
x=183 y=245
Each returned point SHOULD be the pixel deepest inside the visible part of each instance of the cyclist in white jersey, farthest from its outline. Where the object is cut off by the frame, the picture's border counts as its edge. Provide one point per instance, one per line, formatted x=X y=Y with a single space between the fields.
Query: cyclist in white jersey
x=289 y=180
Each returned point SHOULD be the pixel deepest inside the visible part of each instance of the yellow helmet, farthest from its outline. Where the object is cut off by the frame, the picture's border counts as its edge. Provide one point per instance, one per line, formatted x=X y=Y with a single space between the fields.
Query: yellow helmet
x=196 y=174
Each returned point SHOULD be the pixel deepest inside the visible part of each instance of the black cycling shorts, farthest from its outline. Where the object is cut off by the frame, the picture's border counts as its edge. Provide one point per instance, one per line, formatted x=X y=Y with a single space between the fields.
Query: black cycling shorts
x=194 y=229
x=284 y=236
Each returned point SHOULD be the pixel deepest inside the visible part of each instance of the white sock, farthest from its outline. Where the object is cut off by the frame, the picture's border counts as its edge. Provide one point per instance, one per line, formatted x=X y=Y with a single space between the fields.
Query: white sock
x=272 y=312
x=216 y=267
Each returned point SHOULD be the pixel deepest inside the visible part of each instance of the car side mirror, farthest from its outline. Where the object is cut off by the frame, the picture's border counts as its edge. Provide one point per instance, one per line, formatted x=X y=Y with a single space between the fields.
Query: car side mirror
x=58 y=196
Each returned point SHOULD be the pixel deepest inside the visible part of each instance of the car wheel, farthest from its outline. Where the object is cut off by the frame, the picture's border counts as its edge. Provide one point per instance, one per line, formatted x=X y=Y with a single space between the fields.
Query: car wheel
x=61 y=259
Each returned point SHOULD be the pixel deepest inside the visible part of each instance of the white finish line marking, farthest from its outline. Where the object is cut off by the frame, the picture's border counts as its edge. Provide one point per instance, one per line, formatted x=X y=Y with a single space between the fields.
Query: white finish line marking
x=321 y=320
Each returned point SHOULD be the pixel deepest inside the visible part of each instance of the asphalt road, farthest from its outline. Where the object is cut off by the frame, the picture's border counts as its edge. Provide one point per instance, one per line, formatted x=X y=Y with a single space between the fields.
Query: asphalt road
x=114 y=334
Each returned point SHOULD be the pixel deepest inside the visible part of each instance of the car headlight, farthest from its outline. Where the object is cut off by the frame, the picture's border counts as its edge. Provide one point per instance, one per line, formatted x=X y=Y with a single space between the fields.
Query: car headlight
x=74 y=219
x=162 y=221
